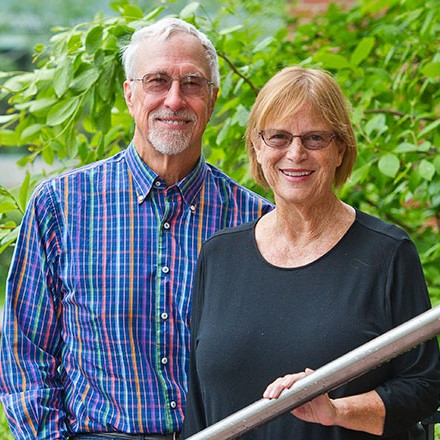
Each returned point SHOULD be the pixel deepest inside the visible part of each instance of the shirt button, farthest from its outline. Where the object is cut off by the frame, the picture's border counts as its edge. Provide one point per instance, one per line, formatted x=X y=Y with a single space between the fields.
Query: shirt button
x=164 y=360
x=166 y=225
x=140 y=199
x=157 y=183
x=193 y=208
x=173 y=404
x=164 y=315
x=165 y=269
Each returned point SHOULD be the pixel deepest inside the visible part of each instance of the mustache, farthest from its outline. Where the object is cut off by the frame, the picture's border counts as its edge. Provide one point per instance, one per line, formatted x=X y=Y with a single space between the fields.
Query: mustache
x=182 y=114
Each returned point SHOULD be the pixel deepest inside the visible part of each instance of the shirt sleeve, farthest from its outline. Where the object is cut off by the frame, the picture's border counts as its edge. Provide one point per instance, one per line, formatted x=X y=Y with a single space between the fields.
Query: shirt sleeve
x=195 y=420
x=413 y=392
x=30 y=385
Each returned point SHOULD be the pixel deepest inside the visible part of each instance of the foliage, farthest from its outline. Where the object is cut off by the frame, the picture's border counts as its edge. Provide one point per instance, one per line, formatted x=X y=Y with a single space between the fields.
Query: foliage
x=384 y=54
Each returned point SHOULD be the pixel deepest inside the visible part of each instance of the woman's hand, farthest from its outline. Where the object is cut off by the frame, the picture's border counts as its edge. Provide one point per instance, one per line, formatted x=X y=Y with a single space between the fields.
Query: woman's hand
x=319 y=410
x=363 y=412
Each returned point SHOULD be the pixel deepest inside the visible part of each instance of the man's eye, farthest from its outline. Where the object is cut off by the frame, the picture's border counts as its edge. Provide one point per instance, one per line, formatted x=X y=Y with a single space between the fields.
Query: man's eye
x=192 y=81
x=157 y=80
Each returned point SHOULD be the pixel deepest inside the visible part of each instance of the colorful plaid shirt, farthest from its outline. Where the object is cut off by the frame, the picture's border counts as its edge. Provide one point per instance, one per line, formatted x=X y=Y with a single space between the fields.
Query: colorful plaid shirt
x=97 y=313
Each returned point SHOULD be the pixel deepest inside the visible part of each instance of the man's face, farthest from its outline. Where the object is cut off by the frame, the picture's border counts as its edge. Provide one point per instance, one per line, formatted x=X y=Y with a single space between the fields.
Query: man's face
x=170 y=122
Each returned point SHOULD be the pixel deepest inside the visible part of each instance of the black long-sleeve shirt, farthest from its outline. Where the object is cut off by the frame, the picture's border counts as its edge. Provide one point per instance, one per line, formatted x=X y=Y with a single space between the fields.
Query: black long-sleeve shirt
x=253 y=322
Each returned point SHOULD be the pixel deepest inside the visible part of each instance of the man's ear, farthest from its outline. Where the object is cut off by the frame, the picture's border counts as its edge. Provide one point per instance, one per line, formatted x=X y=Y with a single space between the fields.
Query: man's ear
x=213 y=100
x=128 y=94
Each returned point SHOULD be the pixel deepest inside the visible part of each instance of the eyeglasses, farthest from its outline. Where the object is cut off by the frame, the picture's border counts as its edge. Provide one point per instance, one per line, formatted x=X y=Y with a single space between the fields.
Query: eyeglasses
x=192 y=86
x=312 y=140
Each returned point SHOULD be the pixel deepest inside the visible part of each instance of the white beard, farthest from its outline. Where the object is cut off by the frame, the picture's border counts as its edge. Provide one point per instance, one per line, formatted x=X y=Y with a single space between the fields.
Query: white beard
x=169 y=142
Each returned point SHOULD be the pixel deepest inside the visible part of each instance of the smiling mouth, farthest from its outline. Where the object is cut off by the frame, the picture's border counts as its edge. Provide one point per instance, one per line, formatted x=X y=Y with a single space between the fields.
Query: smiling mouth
x=296 y=173
x=173 y=121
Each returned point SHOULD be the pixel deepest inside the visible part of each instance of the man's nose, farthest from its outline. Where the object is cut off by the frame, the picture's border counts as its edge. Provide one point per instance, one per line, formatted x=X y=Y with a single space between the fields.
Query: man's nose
x=175 y=98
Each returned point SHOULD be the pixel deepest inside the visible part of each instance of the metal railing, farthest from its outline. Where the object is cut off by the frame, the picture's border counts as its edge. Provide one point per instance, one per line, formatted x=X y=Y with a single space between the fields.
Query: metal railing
x=330 y=376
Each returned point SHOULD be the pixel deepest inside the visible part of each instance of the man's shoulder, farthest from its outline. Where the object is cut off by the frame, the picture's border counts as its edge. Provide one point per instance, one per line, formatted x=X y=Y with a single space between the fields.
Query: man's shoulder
x=84 y=170
x=223 y=180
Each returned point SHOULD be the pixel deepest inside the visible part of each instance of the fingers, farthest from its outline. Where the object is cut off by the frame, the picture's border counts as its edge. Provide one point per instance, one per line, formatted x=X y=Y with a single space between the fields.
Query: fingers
x=275 y=388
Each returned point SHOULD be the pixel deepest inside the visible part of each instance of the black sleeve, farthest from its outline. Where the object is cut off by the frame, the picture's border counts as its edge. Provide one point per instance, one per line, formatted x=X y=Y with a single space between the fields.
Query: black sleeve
x=413 y=392
x=194 y=413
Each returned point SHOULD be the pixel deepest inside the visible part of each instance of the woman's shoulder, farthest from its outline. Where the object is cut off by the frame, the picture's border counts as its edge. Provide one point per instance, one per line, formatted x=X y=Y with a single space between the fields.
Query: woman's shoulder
x=374 y=225
x=231 y=236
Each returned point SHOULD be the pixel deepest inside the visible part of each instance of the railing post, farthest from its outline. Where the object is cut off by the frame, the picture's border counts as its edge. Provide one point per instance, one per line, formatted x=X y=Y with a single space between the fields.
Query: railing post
x=330 y=376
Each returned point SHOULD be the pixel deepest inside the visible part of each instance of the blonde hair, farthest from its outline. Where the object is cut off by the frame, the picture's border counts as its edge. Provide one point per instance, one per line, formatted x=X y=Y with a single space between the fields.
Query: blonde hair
x=285 y=94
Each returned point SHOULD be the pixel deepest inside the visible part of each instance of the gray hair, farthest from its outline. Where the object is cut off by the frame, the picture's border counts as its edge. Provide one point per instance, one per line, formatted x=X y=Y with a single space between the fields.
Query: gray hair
x=162 y=29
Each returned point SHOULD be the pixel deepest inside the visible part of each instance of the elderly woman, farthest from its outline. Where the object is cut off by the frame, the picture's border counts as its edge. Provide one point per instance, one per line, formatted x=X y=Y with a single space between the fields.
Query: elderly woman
x=307 y=283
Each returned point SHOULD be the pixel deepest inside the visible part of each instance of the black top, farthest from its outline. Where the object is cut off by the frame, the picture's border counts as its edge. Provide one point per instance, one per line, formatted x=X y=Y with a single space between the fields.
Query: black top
x=253 y=322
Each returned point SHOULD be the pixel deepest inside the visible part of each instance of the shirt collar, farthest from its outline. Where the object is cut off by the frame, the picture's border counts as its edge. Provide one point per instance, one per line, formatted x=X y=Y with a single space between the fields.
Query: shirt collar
x=144 y=178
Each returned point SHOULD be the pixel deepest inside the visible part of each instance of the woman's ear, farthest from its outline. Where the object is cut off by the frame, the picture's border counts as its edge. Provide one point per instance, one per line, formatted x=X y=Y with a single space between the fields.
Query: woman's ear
x=256 y=144
x=341 y=151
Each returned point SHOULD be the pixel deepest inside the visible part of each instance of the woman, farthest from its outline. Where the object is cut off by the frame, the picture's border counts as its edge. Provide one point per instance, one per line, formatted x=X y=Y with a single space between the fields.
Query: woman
x=307 y=283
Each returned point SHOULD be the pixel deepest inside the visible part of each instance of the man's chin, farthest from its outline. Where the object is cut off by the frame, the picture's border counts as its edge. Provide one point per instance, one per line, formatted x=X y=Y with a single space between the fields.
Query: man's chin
x=169 y=149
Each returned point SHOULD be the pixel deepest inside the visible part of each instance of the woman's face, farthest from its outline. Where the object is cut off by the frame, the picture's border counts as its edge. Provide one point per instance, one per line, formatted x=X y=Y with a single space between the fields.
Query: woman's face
x=296 y=174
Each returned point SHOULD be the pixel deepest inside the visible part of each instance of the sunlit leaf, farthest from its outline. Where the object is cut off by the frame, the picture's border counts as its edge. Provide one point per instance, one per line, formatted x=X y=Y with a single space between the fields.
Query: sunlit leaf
x=332 y=61
x=189 y=10
x=84 y=80
x=426 y=169
x=94 y=39
x=63 y=76
x=63 y=110
x=7 y=207
x=389 y=165
x=24 y=191
x=431 y=70
x=362 y=51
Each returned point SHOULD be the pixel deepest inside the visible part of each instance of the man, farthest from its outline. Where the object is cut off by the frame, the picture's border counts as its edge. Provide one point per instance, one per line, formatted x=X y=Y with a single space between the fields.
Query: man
x=96 y=332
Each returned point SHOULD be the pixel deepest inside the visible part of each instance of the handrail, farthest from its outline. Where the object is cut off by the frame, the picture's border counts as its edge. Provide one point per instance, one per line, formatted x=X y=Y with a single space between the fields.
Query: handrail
x=342 y=370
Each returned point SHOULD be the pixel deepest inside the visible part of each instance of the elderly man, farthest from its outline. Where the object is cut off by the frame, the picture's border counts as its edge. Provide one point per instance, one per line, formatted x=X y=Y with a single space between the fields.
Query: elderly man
x=96 y=333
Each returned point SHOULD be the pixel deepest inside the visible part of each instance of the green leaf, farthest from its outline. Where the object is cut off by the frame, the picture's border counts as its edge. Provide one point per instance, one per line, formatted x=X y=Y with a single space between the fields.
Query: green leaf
x=263 y=44
x=231 y=29
x=24 y=190
x=106 y=80
x=84 y=80
x=94 y=39
x=63 y=76
x=389 y=165
x=41 y=104
x=48 y=155
x=437 y=164
x=429 y=128
x=426 y=169
x=376 y=124
x=362 y=51
x=332 y=61
x=431 y=70
x=7 y=207
x=8 y=138
x=406 y=147
x=132 y=12
x=62 y=111
x=189 y=10
x=5 y=192
x=31 y=131
x=154 y=13
x=8 y=118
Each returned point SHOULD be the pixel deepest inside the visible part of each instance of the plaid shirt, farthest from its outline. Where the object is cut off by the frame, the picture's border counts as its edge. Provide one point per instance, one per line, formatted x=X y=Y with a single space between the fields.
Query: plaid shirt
x=96 y=328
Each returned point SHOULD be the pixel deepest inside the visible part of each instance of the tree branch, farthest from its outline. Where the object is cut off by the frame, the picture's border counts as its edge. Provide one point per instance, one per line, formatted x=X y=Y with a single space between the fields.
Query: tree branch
x=395 y=113
x=236 y=71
